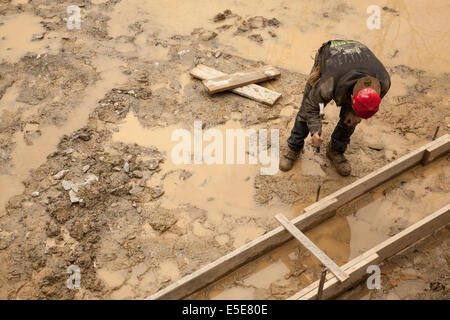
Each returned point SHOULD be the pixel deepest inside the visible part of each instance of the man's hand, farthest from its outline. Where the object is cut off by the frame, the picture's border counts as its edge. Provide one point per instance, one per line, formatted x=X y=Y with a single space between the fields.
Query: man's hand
x=316 y=140
x=352 y=119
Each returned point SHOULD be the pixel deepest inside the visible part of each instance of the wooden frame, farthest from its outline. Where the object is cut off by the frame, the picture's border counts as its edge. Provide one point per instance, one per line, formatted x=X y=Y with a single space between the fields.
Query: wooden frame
x=313 y=215
x=311 y=247
x=356 y=268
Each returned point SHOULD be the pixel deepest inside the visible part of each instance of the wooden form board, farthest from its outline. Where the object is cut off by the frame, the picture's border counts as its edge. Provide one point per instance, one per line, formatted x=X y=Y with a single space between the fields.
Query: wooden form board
x=313 y=215
x=251 y=91
x=239 y=79
x=357 y=268
x=311 y=247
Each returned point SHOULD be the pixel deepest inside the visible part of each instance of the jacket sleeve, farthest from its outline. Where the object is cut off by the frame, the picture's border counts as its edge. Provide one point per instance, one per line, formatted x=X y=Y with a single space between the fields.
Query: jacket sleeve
x=385 y=83
x=321 y=93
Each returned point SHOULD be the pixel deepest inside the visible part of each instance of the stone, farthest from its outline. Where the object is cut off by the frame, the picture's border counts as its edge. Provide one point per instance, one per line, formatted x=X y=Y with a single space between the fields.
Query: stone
x=60 y=174
x=376 y=146
x=208 y=35
x=256 y=37
x=126 y=167
x=183 y=52
x=136 y=190
x=67 y=185
x=73 y=197
x=35 y=194
x=137 y=174
x=86 y=168
x=37 y=37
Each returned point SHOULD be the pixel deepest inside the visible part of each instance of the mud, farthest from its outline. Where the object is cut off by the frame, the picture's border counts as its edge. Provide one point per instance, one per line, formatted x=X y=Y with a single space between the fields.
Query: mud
x=86 y=177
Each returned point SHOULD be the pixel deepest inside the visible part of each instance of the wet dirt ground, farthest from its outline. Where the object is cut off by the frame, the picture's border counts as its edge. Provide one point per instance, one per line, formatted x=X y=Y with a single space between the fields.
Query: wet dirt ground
x=86 y=115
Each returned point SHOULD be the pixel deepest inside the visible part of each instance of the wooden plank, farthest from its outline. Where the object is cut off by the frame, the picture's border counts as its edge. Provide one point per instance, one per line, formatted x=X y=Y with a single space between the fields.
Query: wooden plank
x=356 y=268
x=436 y=150
x=315 y=250
x=239 y=79
x=314 y=214
x=251 y=91
x=372 y=180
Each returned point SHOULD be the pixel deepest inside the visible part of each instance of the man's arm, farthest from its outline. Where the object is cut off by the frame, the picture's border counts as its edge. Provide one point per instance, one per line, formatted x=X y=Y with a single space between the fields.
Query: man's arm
x=320 y=93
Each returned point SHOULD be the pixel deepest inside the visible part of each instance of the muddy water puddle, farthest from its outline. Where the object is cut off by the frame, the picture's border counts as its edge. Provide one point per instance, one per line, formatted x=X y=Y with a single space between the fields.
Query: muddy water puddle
x=410 y=32
x=358 y=226
x=219 y=189
x=19 y=35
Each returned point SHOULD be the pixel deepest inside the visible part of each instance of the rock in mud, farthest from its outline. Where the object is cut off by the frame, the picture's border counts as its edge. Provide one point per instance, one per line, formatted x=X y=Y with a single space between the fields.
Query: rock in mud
x=73 y=197
x=256 y=37
x=208 y=35
x=152 y=164
x=52 y=229
x=67 y=185
x=60 y=174
x=136 y=190
x=138 y=174
x=274 y=22
x=376 y=146
x=37 y=37
x=222 y=15
x=156 y=192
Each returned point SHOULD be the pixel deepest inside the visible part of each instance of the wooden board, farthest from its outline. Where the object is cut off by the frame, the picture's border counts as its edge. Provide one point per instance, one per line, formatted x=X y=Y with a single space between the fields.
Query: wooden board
x=251 y=91
x=438 y=147
x=357 y=267
x=239 y=79
x=435 y=151
x=313 y=215
x=311 y=247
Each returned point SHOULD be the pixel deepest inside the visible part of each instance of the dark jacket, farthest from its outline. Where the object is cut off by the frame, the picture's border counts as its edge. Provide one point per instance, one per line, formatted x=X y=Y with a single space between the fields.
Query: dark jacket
x=342 y=63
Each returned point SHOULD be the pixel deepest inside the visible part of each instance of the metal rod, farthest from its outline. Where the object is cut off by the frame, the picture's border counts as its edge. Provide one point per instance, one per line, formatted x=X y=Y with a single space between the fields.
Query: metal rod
x=322 y=282
x=436 y=132
x=318 y=192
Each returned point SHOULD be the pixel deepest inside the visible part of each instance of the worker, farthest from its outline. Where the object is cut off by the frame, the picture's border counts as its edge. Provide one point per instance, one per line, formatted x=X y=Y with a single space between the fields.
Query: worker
x=350 y=74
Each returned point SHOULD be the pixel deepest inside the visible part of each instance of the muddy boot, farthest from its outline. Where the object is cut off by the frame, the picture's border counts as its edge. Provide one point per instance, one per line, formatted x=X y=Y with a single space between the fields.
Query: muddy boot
x=288 y=158
x=340 y=162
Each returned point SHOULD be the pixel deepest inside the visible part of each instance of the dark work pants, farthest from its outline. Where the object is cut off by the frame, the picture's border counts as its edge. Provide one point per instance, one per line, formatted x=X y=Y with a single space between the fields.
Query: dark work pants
x=341 y=134
x=339 y=139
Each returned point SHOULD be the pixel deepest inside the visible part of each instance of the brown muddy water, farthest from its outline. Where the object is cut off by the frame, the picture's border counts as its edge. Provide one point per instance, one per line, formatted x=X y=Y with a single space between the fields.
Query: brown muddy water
x=357 y=226
x=415 y=34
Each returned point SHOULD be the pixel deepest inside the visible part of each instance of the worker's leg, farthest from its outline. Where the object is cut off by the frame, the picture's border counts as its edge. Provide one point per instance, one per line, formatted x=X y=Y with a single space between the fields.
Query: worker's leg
x=298 y=134
x=339 y=141
x=341 y=134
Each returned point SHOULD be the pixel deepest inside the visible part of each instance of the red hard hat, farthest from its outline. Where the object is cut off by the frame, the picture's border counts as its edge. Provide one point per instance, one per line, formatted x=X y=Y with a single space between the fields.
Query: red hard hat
x=366 y=102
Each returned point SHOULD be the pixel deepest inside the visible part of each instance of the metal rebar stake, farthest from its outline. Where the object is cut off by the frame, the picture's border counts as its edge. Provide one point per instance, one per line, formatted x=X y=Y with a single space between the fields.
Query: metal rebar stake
x=435 y=133
x=322 y=282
